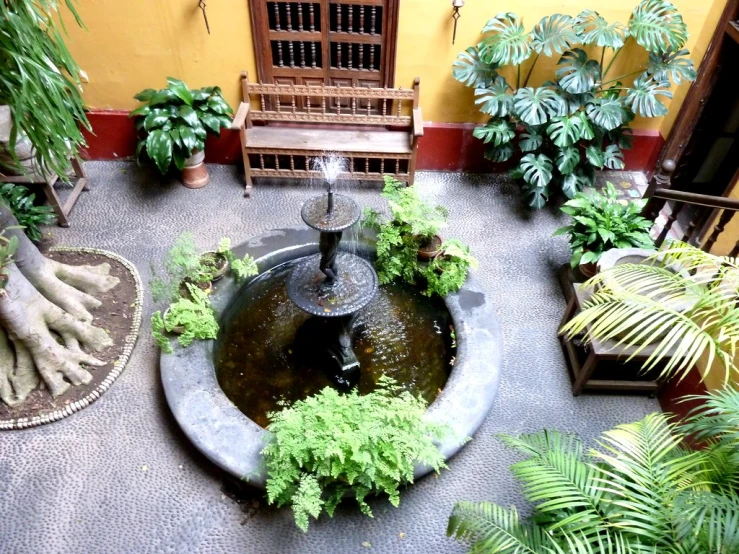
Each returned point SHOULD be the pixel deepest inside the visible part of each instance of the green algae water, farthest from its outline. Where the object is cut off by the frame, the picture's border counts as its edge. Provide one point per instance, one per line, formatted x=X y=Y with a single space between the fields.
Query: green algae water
x=264 y=355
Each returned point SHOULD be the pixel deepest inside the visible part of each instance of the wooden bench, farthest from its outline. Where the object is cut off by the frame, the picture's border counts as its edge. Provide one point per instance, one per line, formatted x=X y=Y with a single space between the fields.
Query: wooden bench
x=375 y=129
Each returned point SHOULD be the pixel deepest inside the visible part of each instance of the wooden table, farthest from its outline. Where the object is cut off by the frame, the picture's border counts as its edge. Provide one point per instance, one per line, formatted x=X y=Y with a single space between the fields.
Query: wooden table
x=584 y=361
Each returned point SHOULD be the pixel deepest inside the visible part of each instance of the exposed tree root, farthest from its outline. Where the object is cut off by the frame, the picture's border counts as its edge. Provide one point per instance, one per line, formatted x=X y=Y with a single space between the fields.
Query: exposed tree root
x=43 y=338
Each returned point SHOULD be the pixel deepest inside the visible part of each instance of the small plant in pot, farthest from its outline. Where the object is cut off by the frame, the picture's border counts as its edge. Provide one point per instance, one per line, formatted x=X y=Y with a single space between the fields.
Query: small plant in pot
x=411 y=233
x=601 y=221
x=173 y=124
x=447 y=271
x=191 y=318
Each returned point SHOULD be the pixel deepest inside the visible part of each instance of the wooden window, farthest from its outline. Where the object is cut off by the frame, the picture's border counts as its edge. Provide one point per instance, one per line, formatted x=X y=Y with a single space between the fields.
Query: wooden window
x=330 y=42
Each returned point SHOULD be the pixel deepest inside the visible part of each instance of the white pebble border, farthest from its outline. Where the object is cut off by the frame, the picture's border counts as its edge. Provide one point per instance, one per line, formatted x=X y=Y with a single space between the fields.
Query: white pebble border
x=118 y=365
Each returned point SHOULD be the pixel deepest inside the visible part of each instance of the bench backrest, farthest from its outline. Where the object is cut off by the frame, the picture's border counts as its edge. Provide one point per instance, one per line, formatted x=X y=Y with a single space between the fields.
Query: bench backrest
x=330 y=104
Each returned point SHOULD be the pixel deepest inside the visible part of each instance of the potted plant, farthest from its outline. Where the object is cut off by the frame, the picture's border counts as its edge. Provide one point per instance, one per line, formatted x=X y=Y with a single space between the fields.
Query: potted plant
x=191 y=318
x=601 y=221
x=447 y=271
x=173 y=124
x=641 y=488
x=577 y=121
x=330 y=446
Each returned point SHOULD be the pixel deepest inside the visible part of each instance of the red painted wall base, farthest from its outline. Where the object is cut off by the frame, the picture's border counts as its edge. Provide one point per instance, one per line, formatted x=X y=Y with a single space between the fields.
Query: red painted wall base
x=444 y=146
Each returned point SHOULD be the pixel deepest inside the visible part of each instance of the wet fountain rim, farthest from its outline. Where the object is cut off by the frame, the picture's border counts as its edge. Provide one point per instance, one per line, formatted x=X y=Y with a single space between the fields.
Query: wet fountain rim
x=234 y=443
x=341 y=202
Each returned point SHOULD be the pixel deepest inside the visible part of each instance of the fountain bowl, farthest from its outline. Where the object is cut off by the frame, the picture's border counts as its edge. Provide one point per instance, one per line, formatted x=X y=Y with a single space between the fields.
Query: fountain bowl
x=234 y=443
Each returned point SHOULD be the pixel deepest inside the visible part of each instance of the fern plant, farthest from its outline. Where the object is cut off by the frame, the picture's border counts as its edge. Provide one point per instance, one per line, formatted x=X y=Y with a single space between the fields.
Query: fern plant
x=40 y=82
x=241 y=267
x=641 y=490
x=684 y=313
x=175 y=121
x=578 y=121
x=194 y=316
x=413 y=224
x=600 y=221
x=22 y=203
x=332 y=445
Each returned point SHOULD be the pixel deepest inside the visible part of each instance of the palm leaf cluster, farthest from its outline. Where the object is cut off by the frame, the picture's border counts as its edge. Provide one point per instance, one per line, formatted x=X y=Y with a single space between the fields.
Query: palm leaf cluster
x=581 y=115
x=681 y=301
x=40 y=82
x=640 y=490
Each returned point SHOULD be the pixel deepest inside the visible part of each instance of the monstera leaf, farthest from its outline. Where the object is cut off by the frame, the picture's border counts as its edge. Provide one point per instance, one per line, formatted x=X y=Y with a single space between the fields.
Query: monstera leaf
x=470 y=70
x=499 y=154
x=577 y=73
x=496 y=131
x=536 y=106
x=658 y=26
x=567 y=130
x=583 y=176
x=495 y=99
x=675 y=65
x=593 y=29
x=509 y=43
x=642 y=97
x=537 y=169
x=567 y=159
x=530 y=140
x=614 y=158
x=553 y=35
x=607 y=113
x=595 y=156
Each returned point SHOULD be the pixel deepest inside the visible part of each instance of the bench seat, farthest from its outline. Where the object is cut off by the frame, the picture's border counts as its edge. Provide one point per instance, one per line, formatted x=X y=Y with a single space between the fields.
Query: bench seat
x=269 y=139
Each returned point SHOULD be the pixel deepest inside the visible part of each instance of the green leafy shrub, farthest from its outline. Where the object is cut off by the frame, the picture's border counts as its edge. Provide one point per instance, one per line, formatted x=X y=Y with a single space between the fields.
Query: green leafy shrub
x=413 y=225
x=242 y=268
x=579 y=121
x=331 y=445
x=447 y=272
x=21 y=202
x=601 y=221
x=195 y=315
x=640 y=491
x=175 y=121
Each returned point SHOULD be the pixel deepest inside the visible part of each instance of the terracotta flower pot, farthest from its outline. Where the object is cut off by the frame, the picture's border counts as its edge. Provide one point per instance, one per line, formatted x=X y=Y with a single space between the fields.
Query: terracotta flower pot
x=195 y=173
x=222 y=264
x=429 y=251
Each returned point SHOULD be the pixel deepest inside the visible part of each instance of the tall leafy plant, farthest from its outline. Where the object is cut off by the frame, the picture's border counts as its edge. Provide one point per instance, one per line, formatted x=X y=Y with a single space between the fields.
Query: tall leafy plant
x=578 y=121
x=40 y=82
x=639 y=491
x=174 y=122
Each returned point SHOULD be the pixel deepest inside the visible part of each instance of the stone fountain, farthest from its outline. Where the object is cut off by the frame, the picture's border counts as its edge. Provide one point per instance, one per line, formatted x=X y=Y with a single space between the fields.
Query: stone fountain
x=333 y=286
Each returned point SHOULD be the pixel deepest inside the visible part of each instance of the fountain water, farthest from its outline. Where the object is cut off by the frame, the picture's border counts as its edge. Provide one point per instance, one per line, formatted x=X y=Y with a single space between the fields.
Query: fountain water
x=333 y=286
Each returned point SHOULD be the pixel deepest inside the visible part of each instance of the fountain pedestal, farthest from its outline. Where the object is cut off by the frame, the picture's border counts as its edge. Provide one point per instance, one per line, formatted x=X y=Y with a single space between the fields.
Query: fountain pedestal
x=333 y=286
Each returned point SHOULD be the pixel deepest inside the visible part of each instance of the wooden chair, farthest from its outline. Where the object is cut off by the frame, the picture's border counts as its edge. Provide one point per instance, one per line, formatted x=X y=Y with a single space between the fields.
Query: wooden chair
x=376 y=129
x=61 y=210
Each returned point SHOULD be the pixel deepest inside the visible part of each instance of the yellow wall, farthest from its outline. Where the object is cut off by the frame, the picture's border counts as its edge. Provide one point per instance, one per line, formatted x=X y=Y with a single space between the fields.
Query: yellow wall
x=135 y=44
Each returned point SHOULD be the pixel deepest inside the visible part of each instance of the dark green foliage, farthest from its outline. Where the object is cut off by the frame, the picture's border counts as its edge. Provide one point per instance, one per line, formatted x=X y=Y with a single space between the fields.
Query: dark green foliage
x=22 y=203
x=174 y=121
x=582 y=109
x=40 y=82
x=333 y=445
x=193 y=314
x=601 y=221
x=640 y=491
x=413 y=225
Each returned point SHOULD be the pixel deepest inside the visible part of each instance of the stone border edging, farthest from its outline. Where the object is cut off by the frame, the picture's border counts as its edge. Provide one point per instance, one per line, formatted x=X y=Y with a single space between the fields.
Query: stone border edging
x=234 y=443
x=118 y=365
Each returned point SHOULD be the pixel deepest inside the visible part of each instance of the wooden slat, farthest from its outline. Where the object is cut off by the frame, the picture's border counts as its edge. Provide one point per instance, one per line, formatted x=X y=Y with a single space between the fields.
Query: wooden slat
x=358 y=2
x=312 y=174
x=305 y=36
x=355 y=38
x=697 y=199
x=732 y=29
x=330 y=91
x=365 y=142
x=328 y=117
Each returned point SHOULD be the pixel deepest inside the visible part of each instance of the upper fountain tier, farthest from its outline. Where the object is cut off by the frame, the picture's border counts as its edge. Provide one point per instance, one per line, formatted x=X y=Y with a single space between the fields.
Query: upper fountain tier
x=344 y=214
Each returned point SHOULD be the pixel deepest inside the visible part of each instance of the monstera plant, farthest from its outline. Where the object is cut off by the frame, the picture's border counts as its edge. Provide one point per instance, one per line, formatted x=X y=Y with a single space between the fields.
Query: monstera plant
x=578 y=121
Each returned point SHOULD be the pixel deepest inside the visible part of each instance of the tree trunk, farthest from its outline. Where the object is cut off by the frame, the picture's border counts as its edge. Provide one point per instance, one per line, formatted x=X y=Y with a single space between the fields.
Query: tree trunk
x=46 y=331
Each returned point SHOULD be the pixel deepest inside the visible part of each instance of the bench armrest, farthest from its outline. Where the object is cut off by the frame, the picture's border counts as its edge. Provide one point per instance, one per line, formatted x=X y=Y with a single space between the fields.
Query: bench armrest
x=241 y=114
x=417 y=122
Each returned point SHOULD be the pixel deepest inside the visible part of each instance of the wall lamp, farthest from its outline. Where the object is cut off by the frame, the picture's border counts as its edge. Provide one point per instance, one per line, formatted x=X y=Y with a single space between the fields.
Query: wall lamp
x=456 y=4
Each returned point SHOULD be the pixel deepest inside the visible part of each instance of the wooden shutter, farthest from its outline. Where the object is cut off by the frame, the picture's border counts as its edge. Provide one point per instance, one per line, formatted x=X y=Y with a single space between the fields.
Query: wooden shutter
x=330 y=42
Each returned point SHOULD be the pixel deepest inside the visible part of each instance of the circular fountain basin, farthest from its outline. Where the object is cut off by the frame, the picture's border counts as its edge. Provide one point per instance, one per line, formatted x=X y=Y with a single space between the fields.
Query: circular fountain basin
x=234 y=442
